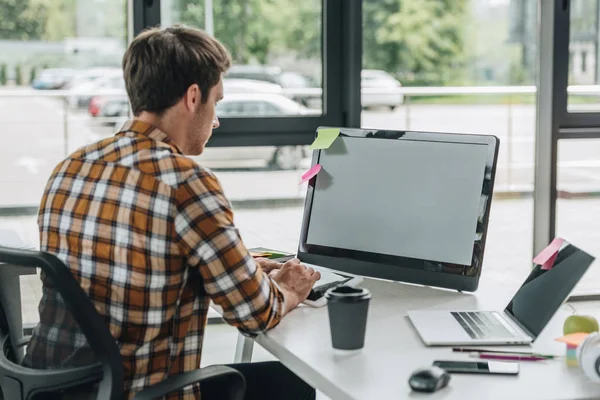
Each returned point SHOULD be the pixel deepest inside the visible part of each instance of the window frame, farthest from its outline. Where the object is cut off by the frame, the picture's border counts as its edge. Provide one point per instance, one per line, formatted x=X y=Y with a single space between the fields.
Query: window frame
x=342 y=62
x=553 y=120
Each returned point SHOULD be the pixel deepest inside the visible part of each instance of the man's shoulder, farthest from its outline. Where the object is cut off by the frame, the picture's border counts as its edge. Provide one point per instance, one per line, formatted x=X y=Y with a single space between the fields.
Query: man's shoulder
x=145 y=155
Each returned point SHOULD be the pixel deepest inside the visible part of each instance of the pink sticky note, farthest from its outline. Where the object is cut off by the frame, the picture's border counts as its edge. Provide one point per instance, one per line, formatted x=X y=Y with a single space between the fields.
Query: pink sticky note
x=550 y=262
x=310 y=173
x=573 y=339
x=547 y=256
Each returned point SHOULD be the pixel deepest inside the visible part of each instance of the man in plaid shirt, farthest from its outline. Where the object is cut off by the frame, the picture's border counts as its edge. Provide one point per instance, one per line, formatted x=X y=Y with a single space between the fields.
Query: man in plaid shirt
x=149 y=234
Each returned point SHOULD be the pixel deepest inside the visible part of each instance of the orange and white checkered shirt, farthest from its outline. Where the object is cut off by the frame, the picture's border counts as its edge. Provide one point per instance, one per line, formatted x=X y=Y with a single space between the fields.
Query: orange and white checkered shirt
x=149 y=235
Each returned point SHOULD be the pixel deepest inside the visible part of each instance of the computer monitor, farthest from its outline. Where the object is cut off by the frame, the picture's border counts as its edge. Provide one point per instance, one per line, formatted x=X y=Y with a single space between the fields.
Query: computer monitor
x=401 y=205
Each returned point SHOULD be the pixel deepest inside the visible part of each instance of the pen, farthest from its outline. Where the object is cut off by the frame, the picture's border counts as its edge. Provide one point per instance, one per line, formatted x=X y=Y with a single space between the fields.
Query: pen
x=508 y=357
x=523 y=353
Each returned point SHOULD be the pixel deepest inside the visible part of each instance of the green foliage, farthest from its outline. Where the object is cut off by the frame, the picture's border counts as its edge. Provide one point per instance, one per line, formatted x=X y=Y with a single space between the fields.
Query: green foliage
x=21 y=19
x=256 y=30
x=60 y=20
x=3 y=74
x=18 y=75
x=422 y=42
x=32 y=74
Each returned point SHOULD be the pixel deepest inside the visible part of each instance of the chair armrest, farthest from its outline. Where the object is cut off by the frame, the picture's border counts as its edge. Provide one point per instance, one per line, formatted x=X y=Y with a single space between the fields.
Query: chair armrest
x=231 y=380
x=23 y=342
x=51 y=380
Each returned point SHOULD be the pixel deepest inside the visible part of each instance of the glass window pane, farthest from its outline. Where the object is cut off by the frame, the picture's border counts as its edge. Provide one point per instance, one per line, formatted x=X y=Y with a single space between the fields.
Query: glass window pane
x=76 y=46
x=276 y=72
x=275 y=46
x=421 y=62
x=584 y=92
x=578 y=204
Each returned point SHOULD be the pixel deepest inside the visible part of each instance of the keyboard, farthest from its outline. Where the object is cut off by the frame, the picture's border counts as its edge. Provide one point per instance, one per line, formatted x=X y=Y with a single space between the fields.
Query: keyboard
x=482 y=325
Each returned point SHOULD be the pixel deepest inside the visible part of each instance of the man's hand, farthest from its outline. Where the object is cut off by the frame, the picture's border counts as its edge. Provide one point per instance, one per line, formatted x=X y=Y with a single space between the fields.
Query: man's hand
x=295 y=281
x=267 y=265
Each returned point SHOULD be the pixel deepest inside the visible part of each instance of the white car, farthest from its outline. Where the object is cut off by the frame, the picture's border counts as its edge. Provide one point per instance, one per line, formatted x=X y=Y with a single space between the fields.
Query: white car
x=231 y=86
x=94 y=82
x=379 y=89
x=257 y=105
x=264 y=105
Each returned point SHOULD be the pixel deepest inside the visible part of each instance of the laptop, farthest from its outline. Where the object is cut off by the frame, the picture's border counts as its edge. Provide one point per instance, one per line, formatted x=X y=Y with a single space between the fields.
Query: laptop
x=523 y=319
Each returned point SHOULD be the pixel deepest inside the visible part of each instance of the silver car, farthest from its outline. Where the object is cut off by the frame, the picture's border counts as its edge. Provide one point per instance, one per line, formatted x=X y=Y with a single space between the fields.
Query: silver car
x=257 y=105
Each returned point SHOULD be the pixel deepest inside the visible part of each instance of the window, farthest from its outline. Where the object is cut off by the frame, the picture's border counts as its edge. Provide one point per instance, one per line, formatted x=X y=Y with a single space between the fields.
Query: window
x=420 y=60
x=75 y=46
x=578 y=204
x=274 y=86
x=583 y=71
x=270 y=41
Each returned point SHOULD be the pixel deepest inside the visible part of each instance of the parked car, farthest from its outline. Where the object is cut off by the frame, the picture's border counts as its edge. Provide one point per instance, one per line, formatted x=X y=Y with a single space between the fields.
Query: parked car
x=260 y=104
x=235 y=85
x=110 y=83
x=106 y=106
x=254 y=105
x=53 y=78
x=117 y=105
x=381 y=89
x=285 y=79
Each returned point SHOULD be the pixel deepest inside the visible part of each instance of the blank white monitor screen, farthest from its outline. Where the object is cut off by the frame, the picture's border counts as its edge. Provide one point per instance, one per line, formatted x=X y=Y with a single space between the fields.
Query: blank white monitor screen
x=402 y=198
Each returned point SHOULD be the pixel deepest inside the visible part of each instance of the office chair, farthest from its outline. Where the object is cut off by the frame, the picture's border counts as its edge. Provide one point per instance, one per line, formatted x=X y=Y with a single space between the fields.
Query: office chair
x=21 y=383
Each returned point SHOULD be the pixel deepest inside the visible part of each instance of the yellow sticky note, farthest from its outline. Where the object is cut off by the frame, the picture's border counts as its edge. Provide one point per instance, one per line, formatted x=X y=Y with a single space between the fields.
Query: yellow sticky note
x=325 y=137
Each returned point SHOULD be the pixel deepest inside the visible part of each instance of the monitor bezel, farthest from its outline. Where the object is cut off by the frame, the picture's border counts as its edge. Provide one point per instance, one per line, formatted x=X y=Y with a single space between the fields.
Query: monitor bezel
x=405 y=269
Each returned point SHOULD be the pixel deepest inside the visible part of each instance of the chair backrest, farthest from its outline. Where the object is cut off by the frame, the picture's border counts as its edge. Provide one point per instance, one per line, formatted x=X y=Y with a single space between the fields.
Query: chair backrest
x=18 y=382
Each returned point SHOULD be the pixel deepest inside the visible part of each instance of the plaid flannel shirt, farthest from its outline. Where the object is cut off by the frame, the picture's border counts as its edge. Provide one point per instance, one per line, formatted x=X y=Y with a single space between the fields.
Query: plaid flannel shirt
x=150 y=237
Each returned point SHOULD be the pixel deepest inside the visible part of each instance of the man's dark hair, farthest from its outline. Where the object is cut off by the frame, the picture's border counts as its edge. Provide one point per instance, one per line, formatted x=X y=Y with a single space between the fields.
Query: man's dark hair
x=161 y=64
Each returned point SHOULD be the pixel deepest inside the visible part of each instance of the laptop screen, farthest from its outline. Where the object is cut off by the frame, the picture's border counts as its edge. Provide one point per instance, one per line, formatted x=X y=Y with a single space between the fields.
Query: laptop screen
x=544 y=291
x=389 y=200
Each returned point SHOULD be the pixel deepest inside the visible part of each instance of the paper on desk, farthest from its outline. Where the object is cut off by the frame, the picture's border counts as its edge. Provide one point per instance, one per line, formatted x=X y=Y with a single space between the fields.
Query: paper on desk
x=547 y=256
x=310 y=173
x=573 y=339
x=255 y=254
x=325 y=137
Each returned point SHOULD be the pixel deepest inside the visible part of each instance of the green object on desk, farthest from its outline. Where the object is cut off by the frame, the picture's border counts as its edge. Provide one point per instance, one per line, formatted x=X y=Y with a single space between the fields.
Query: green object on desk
x=580 y=323
x=272 y=254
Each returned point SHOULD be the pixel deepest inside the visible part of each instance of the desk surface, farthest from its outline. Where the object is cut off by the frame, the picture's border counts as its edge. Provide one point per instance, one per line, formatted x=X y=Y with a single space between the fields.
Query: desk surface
x=393 y=350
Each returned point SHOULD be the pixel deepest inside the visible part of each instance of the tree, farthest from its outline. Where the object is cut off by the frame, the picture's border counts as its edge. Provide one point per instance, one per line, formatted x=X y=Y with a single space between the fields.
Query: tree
x=3 y=74
x=60 y=20
x=255 y=30
x=32 y=74
x=18 y=75
x=21 y=19
x=423 y=41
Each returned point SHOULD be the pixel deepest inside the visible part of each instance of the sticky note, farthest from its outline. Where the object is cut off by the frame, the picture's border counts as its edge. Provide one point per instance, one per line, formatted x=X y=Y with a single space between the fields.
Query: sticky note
x=260 y=254
x=325 y=137
x=574 y=339
x=547 y=256
x=310 y=173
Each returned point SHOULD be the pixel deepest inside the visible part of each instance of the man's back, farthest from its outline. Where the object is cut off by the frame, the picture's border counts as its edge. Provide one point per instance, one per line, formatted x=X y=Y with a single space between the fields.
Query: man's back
x=150 y=237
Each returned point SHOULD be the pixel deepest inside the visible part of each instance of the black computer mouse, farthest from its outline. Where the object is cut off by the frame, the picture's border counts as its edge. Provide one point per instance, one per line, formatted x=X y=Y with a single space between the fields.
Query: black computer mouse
x=429 y=379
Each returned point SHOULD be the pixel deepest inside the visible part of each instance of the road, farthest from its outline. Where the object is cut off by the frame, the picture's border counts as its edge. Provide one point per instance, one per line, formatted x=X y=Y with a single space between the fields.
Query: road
x=34 y=142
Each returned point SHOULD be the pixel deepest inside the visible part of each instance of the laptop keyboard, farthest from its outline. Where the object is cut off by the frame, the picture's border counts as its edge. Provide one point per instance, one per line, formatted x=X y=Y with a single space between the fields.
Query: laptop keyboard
x=482 y=325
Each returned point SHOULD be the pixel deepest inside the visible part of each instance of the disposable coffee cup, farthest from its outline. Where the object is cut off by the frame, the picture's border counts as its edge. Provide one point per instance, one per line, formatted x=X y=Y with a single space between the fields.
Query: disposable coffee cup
x=347 y=308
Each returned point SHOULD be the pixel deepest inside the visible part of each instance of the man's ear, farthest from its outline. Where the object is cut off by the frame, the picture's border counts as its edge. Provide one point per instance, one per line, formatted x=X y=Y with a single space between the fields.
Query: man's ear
x=192 y=97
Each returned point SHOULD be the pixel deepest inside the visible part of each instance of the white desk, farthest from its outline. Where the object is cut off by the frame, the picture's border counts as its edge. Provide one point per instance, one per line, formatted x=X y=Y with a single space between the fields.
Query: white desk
x=393 y=350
